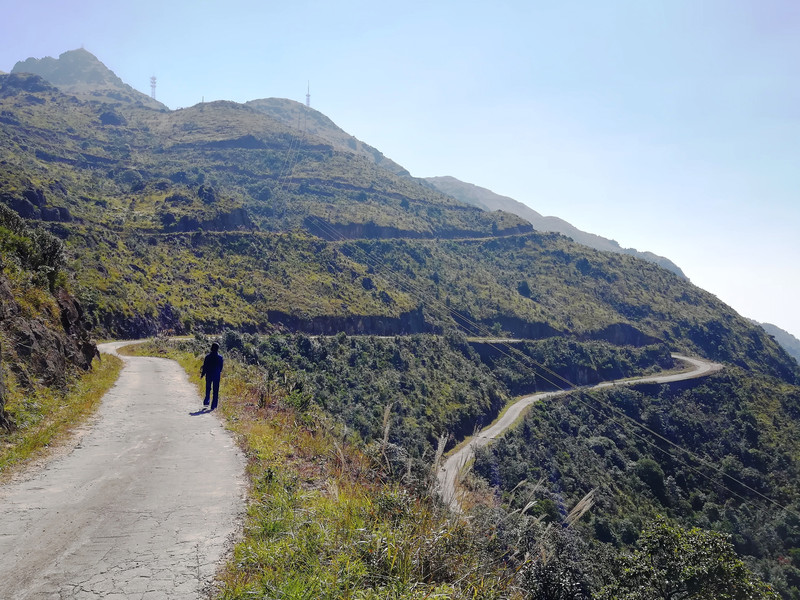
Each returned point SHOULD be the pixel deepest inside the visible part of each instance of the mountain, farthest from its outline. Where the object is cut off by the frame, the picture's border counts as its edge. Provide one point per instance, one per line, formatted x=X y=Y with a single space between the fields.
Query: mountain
x=266 y=225
x=488 y=200
x=220 y=214
x=314 y=123
x=81 y=74
x=789 y=342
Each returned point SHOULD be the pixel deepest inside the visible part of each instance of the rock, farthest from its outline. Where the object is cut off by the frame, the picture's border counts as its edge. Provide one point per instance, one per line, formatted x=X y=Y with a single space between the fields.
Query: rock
x=25 y=209
x=110 y=117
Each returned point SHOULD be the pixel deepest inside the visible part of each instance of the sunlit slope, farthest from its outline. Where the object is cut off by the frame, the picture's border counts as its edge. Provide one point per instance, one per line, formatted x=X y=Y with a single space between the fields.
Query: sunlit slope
x=220 y=215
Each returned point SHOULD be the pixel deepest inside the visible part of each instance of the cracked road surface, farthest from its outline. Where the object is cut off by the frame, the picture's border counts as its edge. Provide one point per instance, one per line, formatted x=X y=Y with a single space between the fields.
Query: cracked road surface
x=448 y=474
x=145 y=506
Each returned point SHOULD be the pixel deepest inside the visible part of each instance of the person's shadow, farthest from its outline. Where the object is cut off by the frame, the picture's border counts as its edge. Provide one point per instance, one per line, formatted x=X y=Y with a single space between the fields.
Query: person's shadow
x=205 y=411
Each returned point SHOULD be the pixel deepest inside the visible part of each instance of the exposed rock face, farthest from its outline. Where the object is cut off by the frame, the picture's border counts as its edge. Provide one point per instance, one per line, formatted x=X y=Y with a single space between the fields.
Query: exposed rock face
x=44 y=349
x=14 y=84
x=5 y=422
x=74 y=66
x=407 y=323
x=622 y=334
x=33 y=204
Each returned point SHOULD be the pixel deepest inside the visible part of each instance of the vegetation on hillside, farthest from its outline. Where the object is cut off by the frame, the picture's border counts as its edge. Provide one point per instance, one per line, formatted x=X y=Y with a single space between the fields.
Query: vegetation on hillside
x=193 y=218
x=746 y=427
x=220 y=216
x=44 y=346
x=331 y=518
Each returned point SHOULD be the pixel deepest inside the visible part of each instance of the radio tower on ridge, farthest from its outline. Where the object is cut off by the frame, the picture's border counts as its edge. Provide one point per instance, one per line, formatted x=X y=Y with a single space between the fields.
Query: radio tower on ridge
x=308 y=95
x=153 y=87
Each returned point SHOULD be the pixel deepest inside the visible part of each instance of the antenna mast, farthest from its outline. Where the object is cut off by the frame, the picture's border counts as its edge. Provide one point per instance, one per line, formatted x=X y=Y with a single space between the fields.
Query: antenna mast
x=308 y=95
x=153 y=87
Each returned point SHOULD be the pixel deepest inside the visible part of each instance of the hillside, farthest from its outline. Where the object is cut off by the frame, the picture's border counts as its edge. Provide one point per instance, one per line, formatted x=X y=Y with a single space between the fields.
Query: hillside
x=172 y=216
x=314 y=123
x=267 y=226
x=44 y=339
x=789 y=343
x=488 y=200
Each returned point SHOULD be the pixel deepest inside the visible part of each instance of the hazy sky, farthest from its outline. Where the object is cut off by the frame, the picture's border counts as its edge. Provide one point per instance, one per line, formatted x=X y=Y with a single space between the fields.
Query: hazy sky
x=671 y=126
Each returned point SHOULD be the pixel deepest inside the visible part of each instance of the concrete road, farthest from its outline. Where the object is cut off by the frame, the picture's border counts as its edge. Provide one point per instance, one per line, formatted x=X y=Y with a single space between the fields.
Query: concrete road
x=146 y=506
x=448 y=474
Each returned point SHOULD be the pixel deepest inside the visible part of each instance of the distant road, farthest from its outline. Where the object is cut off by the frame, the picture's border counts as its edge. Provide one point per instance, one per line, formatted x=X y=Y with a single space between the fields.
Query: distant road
x=145 y=506
x=448 y=474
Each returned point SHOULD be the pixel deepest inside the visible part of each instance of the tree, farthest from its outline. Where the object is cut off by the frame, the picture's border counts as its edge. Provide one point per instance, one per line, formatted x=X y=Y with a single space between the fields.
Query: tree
x=673 y=563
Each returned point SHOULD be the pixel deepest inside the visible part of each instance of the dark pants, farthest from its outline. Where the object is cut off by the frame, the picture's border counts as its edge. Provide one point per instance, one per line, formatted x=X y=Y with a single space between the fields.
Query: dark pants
x=209 y=383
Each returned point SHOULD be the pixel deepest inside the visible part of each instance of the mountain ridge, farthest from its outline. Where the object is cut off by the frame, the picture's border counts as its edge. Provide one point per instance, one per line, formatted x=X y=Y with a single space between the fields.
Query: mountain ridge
x=789 y=342
x=488 y=200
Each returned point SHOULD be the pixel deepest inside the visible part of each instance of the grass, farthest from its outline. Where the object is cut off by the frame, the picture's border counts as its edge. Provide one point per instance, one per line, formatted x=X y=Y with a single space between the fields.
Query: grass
x=46 y=418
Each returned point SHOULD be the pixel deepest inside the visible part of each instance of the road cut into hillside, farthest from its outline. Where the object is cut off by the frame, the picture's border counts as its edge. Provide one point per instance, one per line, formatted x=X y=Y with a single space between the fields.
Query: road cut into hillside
x=146 y=505
x=449 y=473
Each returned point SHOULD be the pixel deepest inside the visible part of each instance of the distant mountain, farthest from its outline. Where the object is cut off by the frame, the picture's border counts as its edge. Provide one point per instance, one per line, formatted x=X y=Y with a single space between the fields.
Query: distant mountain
x=314 y=123
x=790 y=343
x=488 y=200
x=81 y=74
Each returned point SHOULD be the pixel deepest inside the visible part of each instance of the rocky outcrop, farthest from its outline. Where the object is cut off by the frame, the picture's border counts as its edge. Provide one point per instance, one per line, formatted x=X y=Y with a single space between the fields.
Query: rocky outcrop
x=80 y=73
x=5 y=420
x=230 y=220
x=32 y=203
x=407 y=323
x=518 y=328
x=621 y=334
x=44 y=348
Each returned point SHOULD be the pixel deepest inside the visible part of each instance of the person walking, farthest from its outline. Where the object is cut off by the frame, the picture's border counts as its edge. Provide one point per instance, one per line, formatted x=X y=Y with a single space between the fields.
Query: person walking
x=212 y=371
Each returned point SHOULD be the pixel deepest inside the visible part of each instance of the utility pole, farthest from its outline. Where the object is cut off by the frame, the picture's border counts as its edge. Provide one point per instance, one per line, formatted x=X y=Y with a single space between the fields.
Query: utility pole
x=308 y=95
x=153 y=87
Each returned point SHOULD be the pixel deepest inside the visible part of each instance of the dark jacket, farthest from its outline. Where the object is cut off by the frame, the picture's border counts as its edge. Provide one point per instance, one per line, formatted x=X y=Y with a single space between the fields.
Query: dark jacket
x=212 y=366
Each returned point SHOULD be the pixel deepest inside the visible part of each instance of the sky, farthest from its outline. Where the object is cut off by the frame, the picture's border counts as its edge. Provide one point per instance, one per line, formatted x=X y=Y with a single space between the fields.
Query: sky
x=671 y=126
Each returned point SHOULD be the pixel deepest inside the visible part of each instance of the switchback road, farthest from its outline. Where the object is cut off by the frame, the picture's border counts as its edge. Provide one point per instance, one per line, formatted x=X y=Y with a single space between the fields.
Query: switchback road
x=448 y=474
x=144 y=507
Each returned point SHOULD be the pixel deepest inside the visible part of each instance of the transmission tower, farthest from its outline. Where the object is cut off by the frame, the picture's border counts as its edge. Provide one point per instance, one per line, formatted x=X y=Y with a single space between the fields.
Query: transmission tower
x=153 y=87
x=308 y=95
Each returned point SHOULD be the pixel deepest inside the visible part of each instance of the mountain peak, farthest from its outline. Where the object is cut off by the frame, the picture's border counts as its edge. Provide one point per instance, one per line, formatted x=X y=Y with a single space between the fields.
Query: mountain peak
x=70 y=68
x=81 y=73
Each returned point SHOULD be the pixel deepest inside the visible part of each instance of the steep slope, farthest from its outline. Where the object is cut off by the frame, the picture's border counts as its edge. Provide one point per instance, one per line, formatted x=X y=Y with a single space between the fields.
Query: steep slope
x=43 y=332
x=298 y=116
x=171 y=219
x=81 y=74
x=206 y=163
x=488 y=200
x=789 y=343
x=221 y=215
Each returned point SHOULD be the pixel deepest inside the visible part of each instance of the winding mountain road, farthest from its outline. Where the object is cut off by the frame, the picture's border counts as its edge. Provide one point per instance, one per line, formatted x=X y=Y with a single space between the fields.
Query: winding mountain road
x=448 y=474
x=144 y=507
